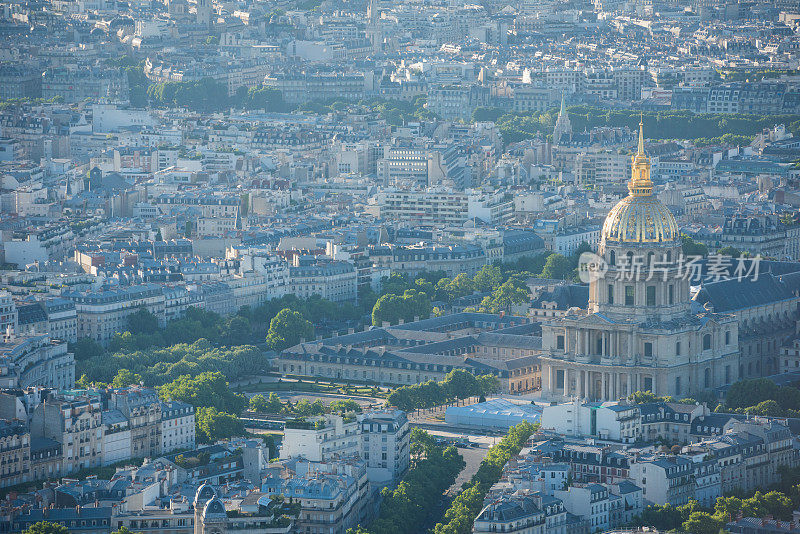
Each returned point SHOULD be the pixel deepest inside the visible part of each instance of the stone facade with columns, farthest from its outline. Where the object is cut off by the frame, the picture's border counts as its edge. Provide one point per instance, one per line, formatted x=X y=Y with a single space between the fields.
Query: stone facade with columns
x=638 y=332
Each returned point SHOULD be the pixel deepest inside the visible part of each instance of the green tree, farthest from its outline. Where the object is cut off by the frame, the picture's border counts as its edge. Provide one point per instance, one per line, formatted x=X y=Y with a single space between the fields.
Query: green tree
x=462 y=384
x=404 y=509
x=488 y=384
x=424 y=286
x=46 y=527
x=690 y=247
x=727 y=507
x=557 y=267
x=270 y=404
x=512 y=291
x=417 y=305
x=778 y=505
x=645 y=397
x=396 y=283
x=460 y=286
x=208 y=389
x=729 y=251
x=305 y=408
x=142 y=322
x=769 y=408
x=288 y=328
x=750 y=392
x=488 y=278
x=459 y=517
x=125 y=378
x=235 y=331
x=86 y=348
x=345 y=406
x=213 y=425
x=389 y=308
x=703 y=523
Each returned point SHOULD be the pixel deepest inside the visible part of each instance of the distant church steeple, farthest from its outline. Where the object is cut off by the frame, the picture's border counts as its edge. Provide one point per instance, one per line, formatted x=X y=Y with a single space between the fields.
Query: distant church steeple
x=373 y=30
x=563 y=129
x=373 y=11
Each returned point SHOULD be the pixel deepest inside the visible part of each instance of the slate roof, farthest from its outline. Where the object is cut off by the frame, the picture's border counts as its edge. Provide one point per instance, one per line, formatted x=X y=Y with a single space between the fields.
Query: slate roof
x=511 y=508
x=31 y=313
x=733 y=294
x=565 y=297
x=752 y=525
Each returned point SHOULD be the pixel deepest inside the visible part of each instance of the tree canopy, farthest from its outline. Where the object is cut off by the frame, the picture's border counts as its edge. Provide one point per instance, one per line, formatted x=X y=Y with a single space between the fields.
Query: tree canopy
x=288 y=328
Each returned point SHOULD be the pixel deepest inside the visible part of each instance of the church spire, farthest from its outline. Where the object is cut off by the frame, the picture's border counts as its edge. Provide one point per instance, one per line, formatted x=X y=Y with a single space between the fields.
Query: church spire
x=641 y=138
x=640 y=184
x=563 y=127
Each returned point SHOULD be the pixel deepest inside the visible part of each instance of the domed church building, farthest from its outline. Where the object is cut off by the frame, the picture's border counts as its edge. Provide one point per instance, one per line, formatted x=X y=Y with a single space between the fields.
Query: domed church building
x=638 y=332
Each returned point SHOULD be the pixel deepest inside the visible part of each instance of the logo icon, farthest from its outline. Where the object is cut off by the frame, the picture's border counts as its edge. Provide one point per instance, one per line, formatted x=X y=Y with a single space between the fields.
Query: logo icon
x=591 y=267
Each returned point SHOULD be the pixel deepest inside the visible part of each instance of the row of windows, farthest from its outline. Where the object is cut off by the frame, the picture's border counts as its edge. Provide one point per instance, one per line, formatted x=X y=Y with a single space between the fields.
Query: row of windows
x=650 y=295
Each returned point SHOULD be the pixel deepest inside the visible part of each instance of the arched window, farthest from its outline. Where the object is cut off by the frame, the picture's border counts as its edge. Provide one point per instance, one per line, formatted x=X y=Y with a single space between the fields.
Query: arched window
x=706 y=341
x=612 y=258
x=707 y=377
x=677 y=348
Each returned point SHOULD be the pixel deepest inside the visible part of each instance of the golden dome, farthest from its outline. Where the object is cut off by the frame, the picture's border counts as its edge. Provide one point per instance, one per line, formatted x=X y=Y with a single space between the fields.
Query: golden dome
x=640 y=217
x=640 y=220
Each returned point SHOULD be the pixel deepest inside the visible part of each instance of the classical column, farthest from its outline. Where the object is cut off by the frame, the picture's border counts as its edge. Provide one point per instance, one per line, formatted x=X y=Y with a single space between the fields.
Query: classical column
x=631 y=350
x=630 y=384
x=589 y=385
x=551 y=386
x=586 y=385
x=603 y=386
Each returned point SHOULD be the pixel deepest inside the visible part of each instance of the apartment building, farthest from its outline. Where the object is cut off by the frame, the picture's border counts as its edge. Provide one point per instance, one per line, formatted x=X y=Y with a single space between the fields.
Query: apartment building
x=588 y=500
x=142 y=408
x=333 y=496
x=15 y=452
x=336 y=281
x=75 y=421
x=321 y=439
x=104 y=313
x=385 y=445
x=177 y=426
x=302 y=87
x=116 y=446
x=664 y=479
x=209 y=206
x=9 y=314
x=433 y=207
x=516 y=514
x=35 y=360
x=413 y=259
x=608 y=421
